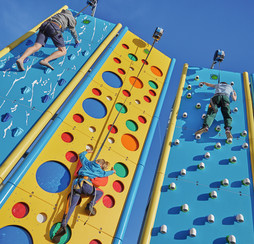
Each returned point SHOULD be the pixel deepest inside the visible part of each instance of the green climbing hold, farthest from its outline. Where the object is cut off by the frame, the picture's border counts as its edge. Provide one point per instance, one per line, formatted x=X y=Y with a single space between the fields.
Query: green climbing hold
x=132 y=57
x=121 y=108
x=131 y=125
x=65 y=238
x=121 y=170
x=214 y=77
x=86 y=21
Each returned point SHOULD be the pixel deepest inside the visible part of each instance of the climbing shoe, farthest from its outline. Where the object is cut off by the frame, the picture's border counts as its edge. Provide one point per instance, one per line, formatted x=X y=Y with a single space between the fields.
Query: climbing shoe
x=44 y=63
x=20 y=65
x=229 y=136
x=57 y=237
x=201 y=131
x=90 y=209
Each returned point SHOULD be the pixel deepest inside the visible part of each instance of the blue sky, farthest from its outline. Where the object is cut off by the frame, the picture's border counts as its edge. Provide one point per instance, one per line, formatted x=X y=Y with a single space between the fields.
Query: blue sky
x=193 y=30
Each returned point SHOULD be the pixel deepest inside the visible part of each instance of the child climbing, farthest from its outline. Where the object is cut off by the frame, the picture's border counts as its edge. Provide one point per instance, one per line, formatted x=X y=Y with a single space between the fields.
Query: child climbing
x=83 y=184
x=52 y=28
x=221 y=99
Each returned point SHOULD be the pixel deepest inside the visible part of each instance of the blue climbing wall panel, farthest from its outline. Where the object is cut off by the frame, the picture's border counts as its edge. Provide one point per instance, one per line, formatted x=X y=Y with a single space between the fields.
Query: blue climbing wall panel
x=195 y=187
x=25 y=96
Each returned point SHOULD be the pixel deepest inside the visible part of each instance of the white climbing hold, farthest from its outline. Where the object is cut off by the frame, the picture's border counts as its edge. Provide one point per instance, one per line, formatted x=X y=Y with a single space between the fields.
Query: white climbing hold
x=233 y=159
x=210 y=218
x=201 y=165
x=213 y=194
x=193 y=232
x=245 y=145
x=189 y=87
x=203 y=116
x=244 y=133
x=218 y=128
x=172 y=186
x=239 y=218
x=225 y=182
x=185 y=208
x=183 y=172
x=201 y=84
x=198 y=136
x=231 y=239
x=177 y=142
x=246 y=181
x=188 y=95
x=207 y=155
x=197 y=77
x=218 y=145
x=232 y=83
x=235 y=110
x=185 y=115
x=198 y=105
x=164 y=229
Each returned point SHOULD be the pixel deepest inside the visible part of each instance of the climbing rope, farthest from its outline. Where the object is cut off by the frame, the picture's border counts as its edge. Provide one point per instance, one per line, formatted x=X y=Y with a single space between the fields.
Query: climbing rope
x=112 y=125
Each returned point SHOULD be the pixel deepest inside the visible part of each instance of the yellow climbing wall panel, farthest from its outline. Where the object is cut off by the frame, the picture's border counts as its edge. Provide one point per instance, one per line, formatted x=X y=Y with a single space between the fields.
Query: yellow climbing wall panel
x=119 y=81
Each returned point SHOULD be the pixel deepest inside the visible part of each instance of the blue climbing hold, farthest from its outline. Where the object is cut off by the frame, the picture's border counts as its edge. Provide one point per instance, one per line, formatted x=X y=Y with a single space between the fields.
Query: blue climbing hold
x=48 y=70
x=39 y=53
x=2 y=64
x=85 y=53
x=6 y=117
x=17 y=131
x=45 y=98
x=26 y=60
x=29 y=42
x=61 y=82
x=76 y=45
x=25 y=89
x=72 y=57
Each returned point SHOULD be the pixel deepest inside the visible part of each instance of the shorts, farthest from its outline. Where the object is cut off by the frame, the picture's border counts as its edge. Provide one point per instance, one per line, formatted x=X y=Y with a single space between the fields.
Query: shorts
x=50 y=30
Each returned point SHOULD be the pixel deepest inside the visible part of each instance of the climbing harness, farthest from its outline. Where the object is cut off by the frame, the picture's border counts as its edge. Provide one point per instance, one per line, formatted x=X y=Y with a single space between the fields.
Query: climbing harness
x=157 y=35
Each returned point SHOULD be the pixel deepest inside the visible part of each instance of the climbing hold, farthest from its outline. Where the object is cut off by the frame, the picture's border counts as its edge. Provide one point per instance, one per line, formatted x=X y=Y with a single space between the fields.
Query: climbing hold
x=235 y=109
x=172 y=186
x=164 y=229
x=189 y=87
x=207 y=155
x=225 y=182
x=203 y=116
x=193 y=232
x=72 y=57
x=198 y=136
x=232 y=83
x=177 y=142
x=213 y=194
x=183 y=172
x=61 y=82
x=16 y=132
x=231 y=239
x=201 y=84
x=45 y=98
x=218 y=128
x=6 y=117
x=48 y=70
x=244 y=133
x=229 y=140
x=218 y=145
x=25 y=90
x=76 y=45
x=233 y=160
x=185 y=115
x=27 y=59
x=85 y=53
x=188 y=95
x=198 y=105
x=29 y=42
x=239 y=218
x=89 y=147
x=210 y=218
x=185 y=208
x=86 y=21
x=245 y=145
x=197 y=77
x=2 y=64
x=201 y=165
x=246 y=181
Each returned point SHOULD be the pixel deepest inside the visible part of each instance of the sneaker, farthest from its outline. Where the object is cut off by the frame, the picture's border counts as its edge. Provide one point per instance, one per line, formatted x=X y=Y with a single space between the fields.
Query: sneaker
x=90 y=209
x=229 y=136
x=201 y=131
x=57 y=237
x=20 y=65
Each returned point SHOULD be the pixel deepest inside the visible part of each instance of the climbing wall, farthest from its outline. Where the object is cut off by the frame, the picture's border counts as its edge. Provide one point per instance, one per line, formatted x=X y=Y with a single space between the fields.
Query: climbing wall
x=40 y=191
x=33 y=96
x=205 y=194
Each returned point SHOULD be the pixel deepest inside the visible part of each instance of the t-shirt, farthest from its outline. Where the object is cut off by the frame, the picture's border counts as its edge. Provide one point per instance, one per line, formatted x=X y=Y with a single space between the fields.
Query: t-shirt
x=91 y=168
x=224 y=89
